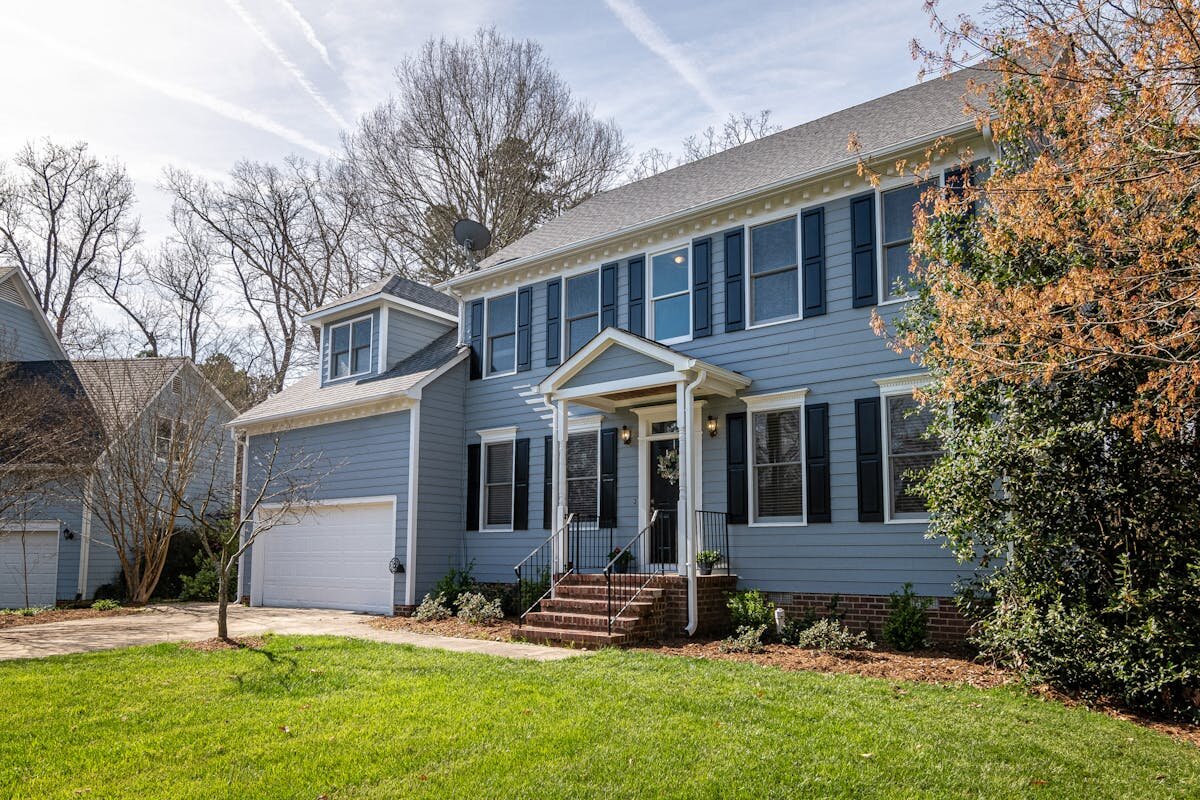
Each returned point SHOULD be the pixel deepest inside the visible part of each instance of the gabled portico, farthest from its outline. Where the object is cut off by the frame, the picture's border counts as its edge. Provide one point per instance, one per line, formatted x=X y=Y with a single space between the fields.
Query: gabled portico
x=666 y=390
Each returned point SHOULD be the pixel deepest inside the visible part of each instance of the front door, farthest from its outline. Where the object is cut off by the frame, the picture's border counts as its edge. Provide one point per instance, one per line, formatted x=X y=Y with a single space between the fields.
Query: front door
x=664 y=497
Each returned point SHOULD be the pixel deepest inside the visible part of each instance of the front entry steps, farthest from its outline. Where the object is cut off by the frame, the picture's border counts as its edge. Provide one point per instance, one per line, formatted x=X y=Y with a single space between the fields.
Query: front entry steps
x=577 y=614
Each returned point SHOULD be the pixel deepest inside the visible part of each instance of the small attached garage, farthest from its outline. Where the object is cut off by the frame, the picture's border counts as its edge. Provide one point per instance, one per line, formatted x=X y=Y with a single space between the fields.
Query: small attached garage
x=335 y=556
x=29 y=566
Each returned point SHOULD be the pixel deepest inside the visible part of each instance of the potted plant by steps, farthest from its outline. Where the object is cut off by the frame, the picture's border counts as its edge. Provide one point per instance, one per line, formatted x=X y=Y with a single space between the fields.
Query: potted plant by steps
x=706 y=560
x=621 y=559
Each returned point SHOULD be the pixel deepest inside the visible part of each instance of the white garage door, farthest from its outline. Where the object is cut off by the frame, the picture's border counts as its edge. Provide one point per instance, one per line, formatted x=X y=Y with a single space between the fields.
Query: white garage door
x=336 y=556
x=28 y=568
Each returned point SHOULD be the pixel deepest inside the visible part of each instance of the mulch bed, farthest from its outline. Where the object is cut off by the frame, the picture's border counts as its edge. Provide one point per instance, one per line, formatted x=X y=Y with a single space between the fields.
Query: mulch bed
x=504 y=631
x=233 y=643
x=61 y=615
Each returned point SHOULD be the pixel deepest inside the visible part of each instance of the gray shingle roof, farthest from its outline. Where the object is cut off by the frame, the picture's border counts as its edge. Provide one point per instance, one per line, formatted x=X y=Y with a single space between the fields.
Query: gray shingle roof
x=307 y=395
x=926 y=109
x=120 y=389
x=400 y=287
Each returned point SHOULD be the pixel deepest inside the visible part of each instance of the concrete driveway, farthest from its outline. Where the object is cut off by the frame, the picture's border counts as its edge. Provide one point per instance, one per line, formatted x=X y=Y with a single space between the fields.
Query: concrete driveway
x=196 y=621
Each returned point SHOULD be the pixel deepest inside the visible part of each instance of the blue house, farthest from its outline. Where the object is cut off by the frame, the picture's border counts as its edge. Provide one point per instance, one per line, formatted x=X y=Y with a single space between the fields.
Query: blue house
x=681 y=367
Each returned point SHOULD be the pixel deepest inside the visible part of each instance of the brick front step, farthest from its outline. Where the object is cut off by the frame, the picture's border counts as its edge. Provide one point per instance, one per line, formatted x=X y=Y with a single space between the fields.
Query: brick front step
x=586 y=592
x=541 y=635
x=592 y=605
x=584 y=622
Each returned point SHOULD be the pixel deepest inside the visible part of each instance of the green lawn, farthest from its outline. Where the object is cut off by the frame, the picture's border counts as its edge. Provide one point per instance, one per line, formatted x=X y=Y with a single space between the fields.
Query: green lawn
x=308 y=717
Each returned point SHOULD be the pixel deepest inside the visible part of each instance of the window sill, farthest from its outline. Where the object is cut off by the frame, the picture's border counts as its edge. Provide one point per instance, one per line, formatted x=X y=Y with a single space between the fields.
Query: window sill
x=345 y=378
x=773 y=323
x=923 y=521
x=500 y=375
x=495 y=530
x=897 y=300
x=758 y=524
x=676 y=340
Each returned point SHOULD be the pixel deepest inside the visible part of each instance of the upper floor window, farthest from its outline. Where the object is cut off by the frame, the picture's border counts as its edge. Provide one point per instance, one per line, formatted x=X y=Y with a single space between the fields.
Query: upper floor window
x=911 y=451
x=671 y=297
x=164 y=438
x=899 y=209
x=502 y=335
x=582 y=310
x=774 y=272
x=350 y=348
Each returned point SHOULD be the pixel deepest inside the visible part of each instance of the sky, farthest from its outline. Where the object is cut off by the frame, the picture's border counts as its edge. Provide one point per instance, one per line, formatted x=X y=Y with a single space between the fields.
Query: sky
x=202 y=85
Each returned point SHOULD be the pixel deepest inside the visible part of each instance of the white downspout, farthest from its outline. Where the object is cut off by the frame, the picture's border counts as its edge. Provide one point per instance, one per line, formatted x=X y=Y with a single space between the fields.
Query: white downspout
x=410 y=547
x=686 y=461
x=85 y=536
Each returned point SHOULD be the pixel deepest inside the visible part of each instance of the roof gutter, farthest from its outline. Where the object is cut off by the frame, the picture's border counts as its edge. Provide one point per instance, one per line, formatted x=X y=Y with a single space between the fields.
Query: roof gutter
x=704 y=207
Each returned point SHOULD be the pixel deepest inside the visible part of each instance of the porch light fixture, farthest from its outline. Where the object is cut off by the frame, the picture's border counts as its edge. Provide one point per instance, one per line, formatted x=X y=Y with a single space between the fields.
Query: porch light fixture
x=68 y=534
x=712 y=426
x=626 y=434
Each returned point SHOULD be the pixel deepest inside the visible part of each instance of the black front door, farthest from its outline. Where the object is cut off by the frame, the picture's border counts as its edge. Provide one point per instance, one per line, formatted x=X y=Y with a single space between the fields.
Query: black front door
x=664 y=497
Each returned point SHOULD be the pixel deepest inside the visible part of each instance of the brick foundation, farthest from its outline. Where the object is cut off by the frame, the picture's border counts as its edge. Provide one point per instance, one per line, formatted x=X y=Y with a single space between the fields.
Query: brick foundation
x=864 y=612
x=713 y=613
x=403 y=610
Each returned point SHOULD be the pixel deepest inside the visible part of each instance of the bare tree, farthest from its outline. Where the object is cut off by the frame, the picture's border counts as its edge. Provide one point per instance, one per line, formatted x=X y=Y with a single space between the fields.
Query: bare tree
x=165 y=434
x=483 y=128
x=289 y=236
x=736 y=130
x=184 y=273
x=66 y=219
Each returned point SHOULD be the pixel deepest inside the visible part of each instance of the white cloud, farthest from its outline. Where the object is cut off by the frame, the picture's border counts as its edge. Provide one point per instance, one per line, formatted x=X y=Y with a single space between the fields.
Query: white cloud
x=310 y=34
x=184 y=94
x=282 y=57
x=646 y=31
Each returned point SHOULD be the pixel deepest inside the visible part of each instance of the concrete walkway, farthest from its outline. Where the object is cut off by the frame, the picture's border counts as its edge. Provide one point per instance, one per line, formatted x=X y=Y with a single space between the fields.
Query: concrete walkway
x=198 y=621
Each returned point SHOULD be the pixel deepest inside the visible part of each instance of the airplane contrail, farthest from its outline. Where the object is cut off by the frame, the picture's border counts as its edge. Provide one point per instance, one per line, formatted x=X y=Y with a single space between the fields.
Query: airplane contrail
x=310 y=33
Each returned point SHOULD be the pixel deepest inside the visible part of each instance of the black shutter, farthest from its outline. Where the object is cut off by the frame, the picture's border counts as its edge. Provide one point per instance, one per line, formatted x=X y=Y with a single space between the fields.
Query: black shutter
x=608 y=478
x=474 y=452
x=636 y=270
x=702 y=288
x=524 y=329
x=735 y=283
x=608 y=296
x=862 y=249
x=476 y=340
x=737 y=498
x=816 y=438
x=553 y=324
x=813 y=237
x=548 y=484
x=521 y=486
x=869 y=442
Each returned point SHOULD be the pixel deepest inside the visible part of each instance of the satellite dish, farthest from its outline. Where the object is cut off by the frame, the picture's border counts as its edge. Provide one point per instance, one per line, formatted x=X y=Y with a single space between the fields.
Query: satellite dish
x=471 y=235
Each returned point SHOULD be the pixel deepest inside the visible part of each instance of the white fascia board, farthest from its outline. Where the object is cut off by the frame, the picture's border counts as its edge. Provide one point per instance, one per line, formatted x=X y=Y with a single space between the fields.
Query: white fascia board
x=383 y=301
x=901 y=384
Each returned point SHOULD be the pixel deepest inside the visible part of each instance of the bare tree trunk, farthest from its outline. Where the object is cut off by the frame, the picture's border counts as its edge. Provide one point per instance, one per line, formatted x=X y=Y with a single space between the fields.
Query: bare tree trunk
x=223 y=601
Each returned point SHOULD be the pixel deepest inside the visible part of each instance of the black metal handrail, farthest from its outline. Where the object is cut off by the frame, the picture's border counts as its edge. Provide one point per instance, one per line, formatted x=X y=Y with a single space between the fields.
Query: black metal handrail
x=535 y=574
x=589 y=543
x=620 y=578
x=713 y=527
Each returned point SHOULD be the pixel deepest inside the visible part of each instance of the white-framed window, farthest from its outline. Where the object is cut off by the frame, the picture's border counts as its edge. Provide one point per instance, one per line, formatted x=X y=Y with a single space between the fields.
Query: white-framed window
x=501 y=334
x=777 y=451
x=774 y=294
x=898 y=209
x=496 y=478
x=164 y=438
x=909 y=449
x=583 y=472
x=581 y=310
x=671 y=296
x=349 y=348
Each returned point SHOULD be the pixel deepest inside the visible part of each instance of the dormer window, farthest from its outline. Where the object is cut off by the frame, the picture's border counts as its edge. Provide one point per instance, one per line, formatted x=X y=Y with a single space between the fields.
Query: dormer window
x=350 y=348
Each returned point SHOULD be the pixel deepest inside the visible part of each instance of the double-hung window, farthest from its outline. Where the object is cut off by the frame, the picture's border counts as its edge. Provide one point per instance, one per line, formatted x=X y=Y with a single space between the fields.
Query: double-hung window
x=583 y=473
x=498 y=464
x=164 y=435
x=911 y=451
x=777 y=446
x=582 y=310
x=774 y=272
x=899 y=210
x=350 y=348
x=502 y=335
x=671 y=296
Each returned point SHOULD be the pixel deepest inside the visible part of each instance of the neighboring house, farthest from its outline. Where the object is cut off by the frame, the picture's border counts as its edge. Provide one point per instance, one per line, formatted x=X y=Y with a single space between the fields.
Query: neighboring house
x=696 y=344
x=50 y=550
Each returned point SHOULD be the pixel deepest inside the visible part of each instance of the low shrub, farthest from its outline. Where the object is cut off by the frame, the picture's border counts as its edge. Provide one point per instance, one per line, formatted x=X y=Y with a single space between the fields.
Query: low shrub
x=202 y=584
x=907 y=620
x=832 y=636
x=528 y=591
x=750 y=609
x=105 y=605
x=748 y=639
x=432 y=609
x=454 y=584
x=25 y=612
x=473 y=607
x=113 y=590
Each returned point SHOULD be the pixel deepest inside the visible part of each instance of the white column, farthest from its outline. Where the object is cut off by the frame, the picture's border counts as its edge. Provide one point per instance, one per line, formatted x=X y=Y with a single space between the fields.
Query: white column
x=559 y=483
x=683 y=420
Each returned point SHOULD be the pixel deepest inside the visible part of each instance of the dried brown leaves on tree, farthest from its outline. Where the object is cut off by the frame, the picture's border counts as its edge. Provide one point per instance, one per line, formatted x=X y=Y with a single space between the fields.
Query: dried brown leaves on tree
x=1091 y=225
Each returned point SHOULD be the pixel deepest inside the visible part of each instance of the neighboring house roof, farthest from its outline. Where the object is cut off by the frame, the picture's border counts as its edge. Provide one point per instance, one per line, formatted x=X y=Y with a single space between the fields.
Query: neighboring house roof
x=307 y=395
x=53 y=400
x=918 y=112
x=121 y=389
x=395 y=286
